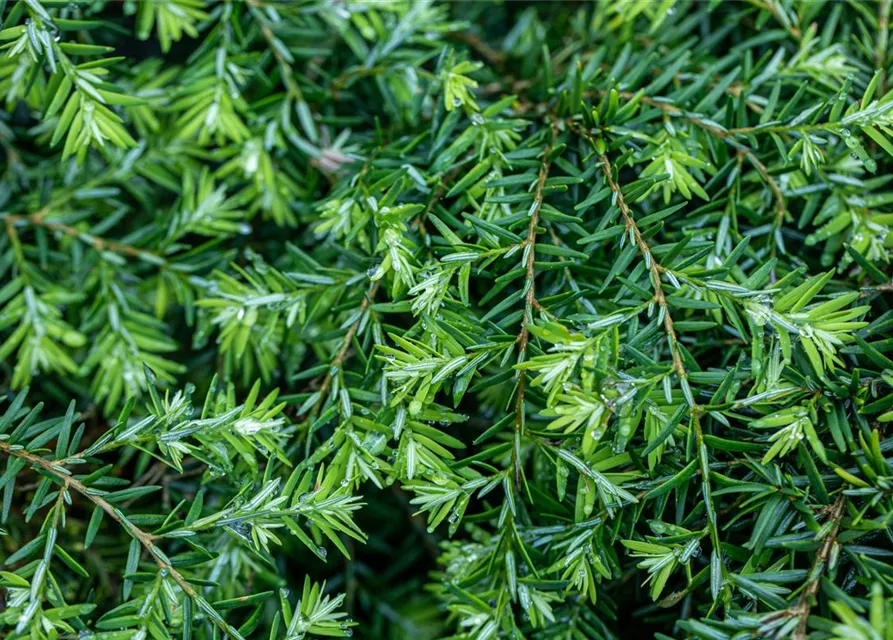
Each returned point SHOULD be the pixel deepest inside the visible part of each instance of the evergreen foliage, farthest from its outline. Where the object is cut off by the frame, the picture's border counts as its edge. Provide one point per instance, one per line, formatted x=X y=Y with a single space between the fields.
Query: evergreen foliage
x=480 y=321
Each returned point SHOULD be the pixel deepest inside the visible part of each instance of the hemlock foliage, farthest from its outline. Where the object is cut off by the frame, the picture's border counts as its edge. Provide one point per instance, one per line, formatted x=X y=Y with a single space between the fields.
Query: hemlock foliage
x=464 y=320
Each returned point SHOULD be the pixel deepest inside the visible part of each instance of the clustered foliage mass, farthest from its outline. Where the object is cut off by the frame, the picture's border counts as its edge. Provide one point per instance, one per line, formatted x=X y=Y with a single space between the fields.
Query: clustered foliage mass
x=424 y=320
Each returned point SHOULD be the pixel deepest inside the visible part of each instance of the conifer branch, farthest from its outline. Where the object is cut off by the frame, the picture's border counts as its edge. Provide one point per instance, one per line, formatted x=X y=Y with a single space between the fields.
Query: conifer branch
x=147 y=540
x=807 y=598
x=654 y=267
x=595 y=297
x=529 y=245
x=724 y=135
x=342 y=354
x=39 y=219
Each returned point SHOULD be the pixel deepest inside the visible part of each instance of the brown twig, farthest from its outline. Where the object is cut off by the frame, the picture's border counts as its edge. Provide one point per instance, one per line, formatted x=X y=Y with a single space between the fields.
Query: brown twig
x=351 y=332
x=725 y=135
x=804 y=605
x=341 y=356
x=885 y=287
x=653 y=266
x=341 y=81
x=145 y=539
x=772 y=8
x=492 y=55
x=38 y=219
x=678 y=365
x=529 y=303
